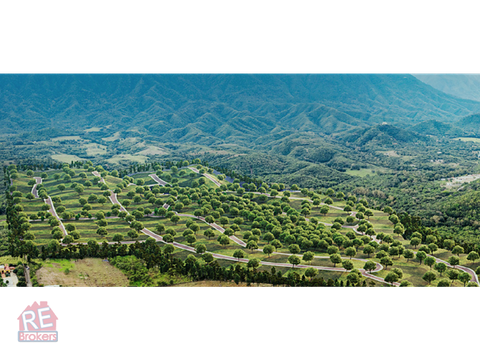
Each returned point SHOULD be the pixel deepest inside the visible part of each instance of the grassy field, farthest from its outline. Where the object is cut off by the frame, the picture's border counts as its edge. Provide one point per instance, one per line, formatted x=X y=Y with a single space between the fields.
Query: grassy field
x=116 y=159
x=93 y=149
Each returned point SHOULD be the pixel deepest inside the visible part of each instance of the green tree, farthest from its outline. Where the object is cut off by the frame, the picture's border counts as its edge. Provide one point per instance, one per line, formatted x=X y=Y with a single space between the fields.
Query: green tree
x=253 y=263
x=308 y=256
x=350 y=252
x=368 y=250
x=464 y=277
x=335 y=259
x=452 y=274
x=239 y=254
x=311 y=273
x=223 y=240
x=102 y=231
x=168 y=249
x=294 y=248
x=443 y=283
x=440 y=267
x=137 y=225
x=429 y=261
x=448 y=244
x=195 y=228
x=200 y=249
x=429 y=276
x=421 y=255
x=408 y=254
x=268 y=250
x=117 y=237
x=207 y=257
x=347 y=265
x=133 y=234
x=386 y=261
x=457 y=250
x=472 y=256
x=391 y=277
x=324 y=210
x=252 y=245
x=175 y=219
x=160 y=228
x=268 y=237
x=370 y=266
x=332 y=250
x=209 y=233
x=294 y=260
x=454 y=260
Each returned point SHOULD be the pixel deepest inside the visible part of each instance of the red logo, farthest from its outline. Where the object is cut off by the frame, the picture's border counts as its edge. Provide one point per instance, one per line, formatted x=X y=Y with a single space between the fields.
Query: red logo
x=38 y=323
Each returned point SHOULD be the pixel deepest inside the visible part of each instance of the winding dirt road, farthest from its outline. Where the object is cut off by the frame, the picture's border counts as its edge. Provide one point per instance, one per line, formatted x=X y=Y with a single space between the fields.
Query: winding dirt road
x=158 y=180
x=34 y=188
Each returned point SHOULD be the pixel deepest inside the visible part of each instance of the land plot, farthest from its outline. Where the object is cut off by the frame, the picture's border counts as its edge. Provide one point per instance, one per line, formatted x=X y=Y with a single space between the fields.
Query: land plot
x=42 y=232
x=112 y=181
x=21 y=182
x=147 y=180
x=413 y=272
x=86 y=272
x=88 y=230
x=72 y=203
x=330 y=216
x=31 y=207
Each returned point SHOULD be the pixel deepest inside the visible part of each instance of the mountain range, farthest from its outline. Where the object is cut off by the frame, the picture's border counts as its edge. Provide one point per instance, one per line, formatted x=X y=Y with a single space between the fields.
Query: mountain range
x=213 y=109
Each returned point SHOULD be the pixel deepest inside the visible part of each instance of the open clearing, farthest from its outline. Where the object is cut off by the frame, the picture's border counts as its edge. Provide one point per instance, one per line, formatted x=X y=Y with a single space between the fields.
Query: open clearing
x=65 y=158
x=152 y=150
x=393 y=153
x=115 y=136
x=67 y=138
x=477 y=140
x=127 y=157
x=460 y=180
x=87 y=273
x=93 y=149
x=93 y=129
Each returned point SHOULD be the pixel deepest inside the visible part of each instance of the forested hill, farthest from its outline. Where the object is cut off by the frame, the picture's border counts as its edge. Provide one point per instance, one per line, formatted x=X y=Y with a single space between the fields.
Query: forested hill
x=207 y=108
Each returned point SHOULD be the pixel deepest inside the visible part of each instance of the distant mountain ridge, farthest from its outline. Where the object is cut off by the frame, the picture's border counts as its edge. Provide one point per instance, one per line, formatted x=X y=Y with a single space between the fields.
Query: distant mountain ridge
x=465 y=86
x=211 y=109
